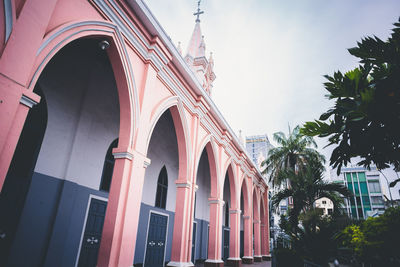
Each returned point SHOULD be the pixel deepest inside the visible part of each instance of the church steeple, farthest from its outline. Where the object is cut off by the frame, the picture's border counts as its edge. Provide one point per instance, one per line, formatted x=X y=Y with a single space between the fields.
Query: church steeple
x=196 y=55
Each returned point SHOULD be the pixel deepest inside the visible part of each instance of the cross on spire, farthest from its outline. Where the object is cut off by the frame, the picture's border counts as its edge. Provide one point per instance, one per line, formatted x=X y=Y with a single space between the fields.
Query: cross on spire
x=198 y=13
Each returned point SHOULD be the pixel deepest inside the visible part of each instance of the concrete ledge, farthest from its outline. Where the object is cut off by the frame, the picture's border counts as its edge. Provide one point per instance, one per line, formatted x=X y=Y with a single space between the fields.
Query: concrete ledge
x=257 y=258
x=266 y=257
x=179 y=264
x=247 y=260
x=213 y=263
x=236 y=262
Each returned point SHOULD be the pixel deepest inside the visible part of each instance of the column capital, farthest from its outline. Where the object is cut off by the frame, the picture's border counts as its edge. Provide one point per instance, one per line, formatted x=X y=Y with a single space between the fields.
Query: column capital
x=257 y=221
x=183 y=184
x=247 y=217
x=29 y=98
x=146 y=162
x=212 y=200
x=235 y=211
x=130 y=154
x=27 y=101
x=123 y=154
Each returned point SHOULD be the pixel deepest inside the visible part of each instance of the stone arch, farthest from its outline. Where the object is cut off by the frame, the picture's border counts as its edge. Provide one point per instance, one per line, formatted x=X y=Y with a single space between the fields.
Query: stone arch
x=122 y=109
x=262 y=209
x=174 y=105
x=232 y=184
x=209 y=145
x=118 y=56
x=256 y=203
x=244 y=187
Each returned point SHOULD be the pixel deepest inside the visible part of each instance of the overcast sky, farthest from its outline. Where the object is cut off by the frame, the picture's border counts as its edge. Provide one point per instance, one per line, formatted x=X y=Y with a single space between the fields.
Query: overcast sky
x=270 y=56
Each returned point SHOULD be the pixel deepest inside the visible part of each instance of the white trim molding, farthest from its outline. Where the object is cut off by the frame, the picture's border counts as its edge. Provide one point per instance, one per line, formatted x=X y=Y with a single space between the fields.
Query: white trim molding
x=183 y=185
x=29 y=102
x=180 y=264
x=234 y=259
x=235 y=211
x=146 y=162
x=216 y=201
x=8 y=19
x=123 y=155
x=214 y=261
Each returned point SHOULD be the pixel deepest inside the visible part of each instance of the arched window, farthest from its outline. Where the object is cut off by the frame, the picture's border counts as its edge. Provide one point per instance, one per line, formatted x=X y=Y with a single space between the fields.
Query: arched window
x=108 y=168
x=162 y=189
x=226 y=214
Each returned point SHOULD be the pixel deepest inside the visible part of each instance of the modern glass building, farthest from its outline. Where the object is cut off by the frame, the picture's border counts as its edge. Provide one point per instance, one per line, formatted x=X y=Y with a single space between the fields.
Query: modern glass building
x=258 y=146
x=367 y=200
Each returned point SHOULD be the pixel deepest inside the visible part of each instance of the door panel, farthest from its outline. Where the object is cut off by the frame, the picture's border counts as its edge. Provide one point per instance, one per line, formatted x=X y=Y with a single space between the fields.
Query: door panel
x=156 y=239
x=226 y=244
x=194 y=242
x=92 y=236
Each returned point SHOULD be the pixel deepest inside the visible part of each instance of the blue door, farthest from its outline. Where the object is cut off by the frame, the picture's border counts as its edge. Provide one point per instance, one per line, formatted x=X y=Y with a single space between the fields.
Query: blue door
x=226 y=244
x=156 y=240
x=92 y=236
x=194 y=242
x=241 y=243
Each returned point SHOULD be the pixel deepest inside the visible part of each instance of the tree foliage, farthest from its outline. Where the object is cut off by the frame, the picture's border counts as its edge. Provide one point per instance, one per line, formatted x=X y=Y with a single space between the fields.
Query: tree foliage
x=365 y=120
x=306 y=187
x=293 y=151
x=375 y=240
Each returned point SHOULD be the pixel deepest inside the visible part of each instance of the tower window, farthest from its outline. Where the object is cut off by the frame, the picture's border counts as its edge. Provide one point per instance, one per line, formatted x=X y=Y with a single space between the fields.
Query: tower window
x=108 y=168
x=162 y=189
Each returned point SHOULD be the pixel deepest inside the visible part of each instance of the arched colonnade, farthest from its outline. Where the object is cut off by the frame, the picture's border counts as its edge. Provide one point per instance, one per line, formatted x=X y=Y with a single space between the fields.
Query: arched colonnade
x=162 y=124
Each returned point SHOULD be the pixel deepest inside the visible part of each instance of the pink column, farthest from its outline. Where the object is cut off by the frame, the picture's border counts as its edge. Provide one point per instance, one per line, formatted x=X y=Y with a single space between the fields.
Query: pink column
x=262 y=229
x=215 y=235
x=248 y=239
x=190 y=223
x=27 y=34
x=15 y=102
x=234 y=238
x=266 y=252
x=257 y=243
x=122 y=216
x=182 y=220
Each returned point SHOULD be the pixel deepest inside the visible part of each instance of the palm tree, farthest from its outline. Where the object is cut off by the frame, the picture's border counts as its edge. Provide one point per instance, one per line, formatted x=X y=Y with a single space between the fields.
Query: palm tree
x=292 y=154
x=306 y=186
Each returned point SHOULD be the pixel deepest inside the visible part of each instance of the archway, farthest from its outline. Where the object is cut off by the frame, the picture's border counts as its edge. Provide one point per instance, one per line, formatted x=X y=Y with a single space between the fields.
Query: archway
x=256 y=226
x=157 y=211
x=246 y=223
x=82 y=99
x=230 y=218
x=201 y=214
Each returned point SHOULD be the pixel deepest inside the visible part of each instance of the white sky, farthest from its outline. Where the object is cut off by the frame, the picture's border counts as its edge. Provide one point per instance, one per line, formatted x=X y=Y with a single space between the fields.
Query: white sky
x=270 y=55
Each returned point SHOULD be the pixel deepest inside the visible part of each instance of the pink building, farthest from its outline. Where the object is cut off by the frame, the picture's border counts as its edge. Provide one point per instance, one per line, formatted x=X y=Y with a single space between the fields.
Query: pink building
x=112 y=152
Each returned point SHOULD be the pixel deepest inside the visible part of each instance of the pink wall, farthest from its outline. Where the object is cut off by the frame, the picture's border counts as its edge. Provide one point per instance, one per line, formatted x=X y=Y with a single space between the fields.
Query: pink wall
x=149 y=81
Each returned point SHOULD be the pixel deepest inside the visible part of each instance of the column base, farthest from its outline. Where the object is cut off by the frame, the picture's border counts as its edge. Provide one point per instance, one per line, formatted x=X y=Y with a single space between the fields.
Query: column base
x=247 y=260
x=180 y=264
x=266 y=257
x=236 y=262
x=258 y=258
x=213 y=263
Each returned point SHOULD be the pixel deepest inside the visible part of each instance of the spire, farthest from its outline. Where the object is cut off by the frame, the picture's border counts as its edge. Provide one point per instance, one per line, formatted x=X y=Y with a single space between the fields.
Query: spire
x=195 y=41
x=201 y=51
x=196 y=56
